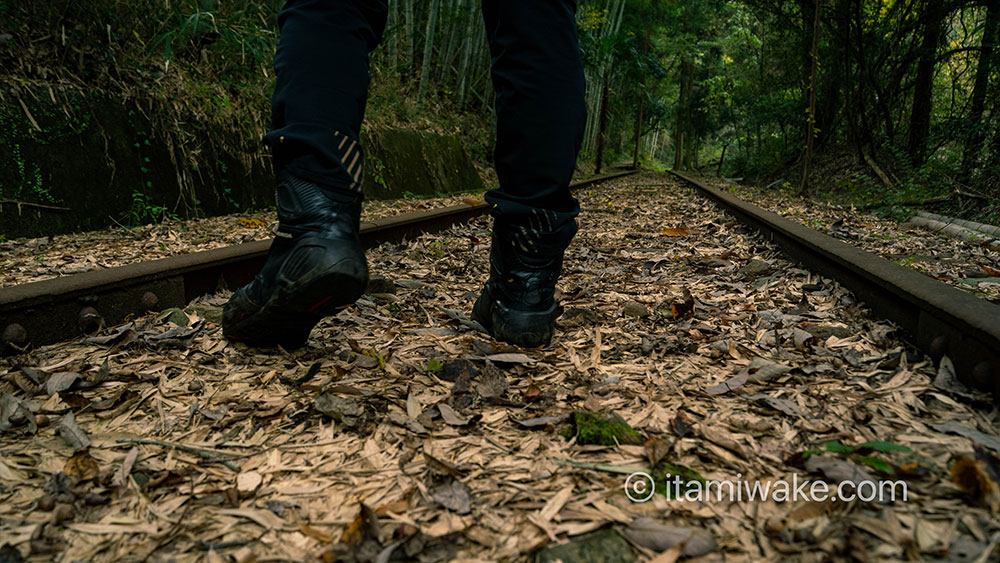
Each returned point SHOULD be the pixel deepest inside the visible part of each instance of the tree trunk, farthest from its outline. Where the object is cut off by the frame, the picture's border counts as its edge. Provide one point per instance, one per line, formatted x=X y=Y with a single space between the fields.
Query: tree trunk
x=472 y=32
x=811 y=125
x=844 y=29
x=393 y=36
x=923 y=90
x=448 y=10
x=642 y=97
x=864 y=133
x=683 y=117
x=679 y=150
x=638 y=133
x=602 y=128
x=722 y=159
x=977 y=135
x=409 y=30
x=425 y=64
x=831 y=82
x=807 y=9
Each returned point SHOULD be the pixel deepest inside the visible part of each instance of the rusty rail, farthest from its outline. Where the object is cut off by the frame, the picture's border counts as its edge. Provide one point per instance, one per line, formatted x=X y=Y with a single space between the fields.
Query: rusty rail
x=940 y=319
x=49 y=311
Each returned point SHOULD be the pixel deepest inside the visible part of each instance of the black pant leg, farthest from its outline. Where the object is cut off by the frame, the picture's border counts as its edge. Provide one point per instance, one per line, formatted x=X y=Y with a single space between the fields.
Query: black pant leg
x=541 y=113
x=322 y=86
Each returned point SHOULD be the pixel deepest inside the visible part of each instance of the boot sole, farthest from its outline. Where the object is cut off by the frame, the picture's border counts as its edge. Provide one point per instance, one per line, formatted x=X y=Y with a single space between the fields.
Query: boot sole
x=527 y=329
x=289 y=315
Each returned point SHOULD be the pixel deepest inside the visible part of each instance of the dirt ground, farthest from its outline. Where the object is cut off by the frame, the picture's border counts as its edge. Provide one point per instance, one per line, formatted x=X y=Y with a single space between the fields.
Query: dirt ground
x=401 y=432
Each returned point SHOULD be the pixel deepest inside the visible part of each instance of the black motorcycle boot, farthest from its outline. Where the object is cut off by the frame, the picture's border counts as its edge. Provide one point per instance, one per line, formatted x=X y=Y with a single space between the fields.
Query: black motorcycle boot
x=517 y=304
x=315 y=268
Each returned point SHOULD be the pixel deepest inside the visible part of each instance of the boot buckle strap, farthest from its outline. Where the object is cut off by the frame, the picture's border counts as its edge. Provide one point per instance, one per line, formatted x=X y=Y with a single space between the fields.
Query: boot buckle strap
x=276 y=230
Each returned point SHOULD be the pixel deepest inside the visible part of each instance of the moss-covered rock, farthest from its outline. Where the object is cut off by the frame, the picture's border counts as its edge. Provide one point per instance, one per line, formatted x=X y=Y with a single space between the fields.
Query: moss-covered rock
x=602 y=546
x=674 y=480
x=400 y=162
x=89 y=160
x=602 y=429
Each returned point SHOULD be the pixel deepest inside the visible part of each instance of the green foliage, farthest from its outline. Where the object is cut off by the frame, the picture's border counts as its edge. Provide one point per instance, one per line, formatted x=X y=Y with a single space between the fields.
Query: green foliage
x=375 y=169
x=710 y=75
x=28 y=183
x=144 y=211
x=863 y=453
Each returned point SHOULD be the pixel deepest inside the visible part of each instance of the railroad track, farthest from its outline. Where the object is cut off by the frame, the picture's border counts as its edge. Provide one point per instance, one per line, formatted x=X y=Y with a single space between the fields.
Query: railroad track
x=51 y=311
x=941 y=320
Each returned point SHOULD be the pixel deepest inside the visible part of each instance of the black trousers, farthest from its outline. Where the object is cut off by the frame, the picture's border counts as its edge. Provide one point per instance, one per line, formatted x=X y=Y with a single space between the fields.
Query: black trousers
x=322 y=86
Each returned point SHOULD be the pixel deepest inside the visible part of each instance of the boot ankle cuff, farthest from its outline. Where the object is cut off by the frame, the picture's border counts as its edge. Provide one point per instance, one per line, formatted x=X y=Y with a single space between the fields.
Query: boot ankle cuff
x=538 y=246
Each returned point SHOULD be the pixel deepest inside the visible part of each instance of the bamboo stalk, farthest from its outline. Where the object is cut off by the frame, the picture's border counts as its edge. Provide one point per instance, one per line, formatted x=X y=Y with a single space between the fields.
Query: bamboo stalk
x=956 y=231
x=981 y=227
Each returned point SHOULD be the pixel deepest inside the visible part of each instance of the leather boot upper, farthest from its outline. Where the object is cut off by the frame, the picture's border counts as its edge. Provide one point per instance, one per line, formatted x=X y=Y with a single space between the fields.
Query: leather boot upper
x=525 y=264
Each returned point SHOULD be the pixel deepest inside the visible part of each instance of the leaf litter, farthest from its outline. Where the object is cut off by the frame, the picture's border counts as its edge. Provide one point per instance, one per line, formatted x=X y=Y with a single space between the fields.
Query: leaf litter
x=30 y=260
x=447 y=445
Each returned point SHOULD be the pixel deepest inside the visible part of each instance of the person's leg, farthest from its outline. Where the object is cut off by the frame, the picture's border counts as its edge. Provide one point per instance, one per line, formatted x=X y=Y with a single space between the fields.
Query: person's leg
x=540 y=109
x=315 y=266
x=322 y=86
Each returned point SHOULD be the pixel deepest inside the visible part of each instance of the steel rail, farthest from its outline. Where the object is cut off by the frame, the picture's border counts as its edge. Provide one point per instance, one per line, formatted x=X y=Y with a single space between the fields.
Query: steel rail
x=58 y=309
x=941 y=320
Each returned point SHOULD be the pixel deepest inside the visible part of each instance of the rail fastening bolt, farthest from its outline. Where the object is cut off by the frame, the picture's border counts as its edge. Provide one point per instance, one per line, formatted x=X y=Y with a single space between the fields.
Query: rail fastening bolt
x=90 y=320
x=14 y=334
x=982 y=374
x=938 y=348
x=150 y=302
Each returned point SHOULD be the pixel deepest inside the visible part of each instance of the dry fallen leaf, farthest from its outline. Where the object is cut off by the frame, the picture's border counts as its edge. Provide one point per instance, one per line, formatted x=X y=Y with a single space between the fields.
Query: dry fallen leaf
x=684 y=308
x=730 y=384
x=837 y=469
x=81 y=466
x=542 y=422
x=649 y=533
x=71 y=432
x=248 y=482
x=315 y=534
x=979 y=477
x=61 y=381
x=453 y=495
x=510 y=358
x=492 y=382
x=952 y=427
x=674 y=232
x=452 y=417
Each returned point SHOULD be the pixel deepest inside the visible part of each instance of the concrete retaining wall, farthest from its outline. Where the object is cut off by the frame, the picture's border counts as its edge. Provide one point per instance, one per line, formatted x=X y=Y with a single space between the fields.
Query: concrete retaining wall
x=94 y=160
